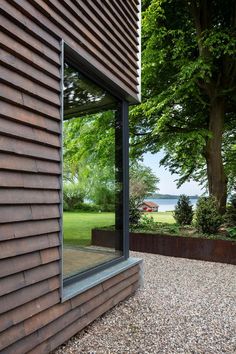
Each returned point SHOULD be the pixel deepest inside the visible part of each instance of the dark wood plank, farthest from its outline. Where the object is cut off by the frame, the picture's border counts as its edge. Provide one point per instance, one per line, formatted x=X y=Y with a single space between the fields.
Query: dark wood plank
x=16 y=97
x=21 y=246
x=16 y=196
x=25 y=117
x=27 y=24
x=32 y=308
x=73 y=328
x=108 y=23
x=20 y=51
x=26 y=180
x=22 y=296
x=27 y=212
x=17 y=264
x=11 y=335
x=119 y=22
x=128 y=16
x=31 y=324
x=21 y=163
x=92 y=35
x=39 y=13
x=18 y=65
x=130 y=10
x=28 y=228
x=19 y=82
x=26 y=148
x=28 y=277
x=35 y=45
x=45 y=212
x=86 y=296
x=49 y=255
x=87 y=43
x=83 y=13
x=120 y=277
x=25 y=132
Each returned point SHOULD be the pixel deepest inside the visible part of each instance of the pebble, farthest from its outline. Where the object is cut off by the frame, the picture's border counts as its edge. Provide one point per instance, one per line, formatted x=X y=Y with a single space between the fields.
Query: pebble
x=184 y=306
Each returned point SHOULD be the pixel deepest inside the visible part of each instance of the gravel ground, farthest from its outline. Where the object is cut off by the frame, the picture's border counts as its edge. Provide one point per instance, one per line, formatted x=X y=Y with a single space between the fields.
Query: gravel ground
x=185 y=306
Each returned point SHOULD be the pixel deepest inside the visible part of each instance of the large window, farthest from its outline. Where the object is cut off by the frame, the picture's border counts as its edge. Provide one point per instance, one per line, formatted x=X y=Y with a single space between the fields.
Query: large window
x=93 y=181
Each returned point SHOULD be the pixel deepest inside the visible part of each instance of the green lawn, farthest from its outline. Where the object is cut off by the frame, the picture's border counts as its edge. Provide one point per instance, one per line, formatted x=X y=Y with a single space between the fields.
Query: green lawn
x=77 y=225
x=163 y=216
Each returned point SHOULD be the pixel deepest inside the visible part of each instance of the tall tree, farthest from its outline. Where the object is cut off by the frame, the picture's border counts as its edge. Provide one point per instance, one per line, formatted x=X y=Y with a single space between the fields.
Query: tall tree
x=142 y=182
x=189 y=90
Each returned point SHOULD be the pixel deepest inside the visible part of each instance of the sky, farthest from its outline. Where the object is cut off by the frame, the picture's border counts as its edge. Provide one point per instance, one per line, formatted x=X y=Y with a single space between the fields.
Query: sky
x=167 y=184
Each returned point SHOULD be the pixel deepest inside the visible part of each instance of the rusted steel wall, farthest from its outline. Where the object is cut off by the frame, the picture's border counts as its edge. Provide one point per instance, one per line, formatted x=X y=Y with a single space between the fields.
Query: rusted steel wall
x=167 y=245
x=103 y=32
x=185 y=247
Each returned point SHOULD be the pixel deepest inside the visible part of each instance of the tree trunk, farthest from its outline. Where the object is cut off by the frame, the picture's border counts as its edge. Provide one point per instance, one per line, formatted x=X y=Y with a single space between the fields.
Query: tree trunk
x=217 y=180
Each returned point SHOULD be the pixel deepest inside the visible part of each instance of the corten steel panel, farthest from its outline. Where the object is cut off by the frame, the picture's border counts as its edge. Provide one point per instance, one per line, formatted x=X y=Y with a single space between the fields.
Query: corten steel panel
x=185 y=247
x=105 y=34
x=167 y=245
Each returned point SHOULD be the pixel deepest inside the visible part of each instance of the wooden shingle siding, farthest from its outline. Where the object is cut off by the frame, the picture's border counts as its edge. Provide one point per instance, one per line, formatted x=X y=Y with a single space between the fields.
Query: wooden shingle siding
x=20 y=163
x=28 y=228
x=28 y=277
x=17 y=264
x=63 y=318
x=21 y=313
x=24 y=132
x=20 y=114
x=44 y=15
x=104 y=32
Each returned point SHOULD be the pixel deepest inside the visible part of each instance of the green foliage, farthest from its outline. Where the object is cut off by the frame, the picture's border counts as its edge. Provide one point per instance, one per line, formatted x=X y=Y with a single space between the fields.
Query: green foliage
x=142 y=182
x=134 y=213
x=187 y=62
x=104 y=198
x=183 y=212
x=233 y=200
x=232 y=232
x=208 y=218
x=230 y=215
x=147 y=223
x=89 y=157
x=72 y=197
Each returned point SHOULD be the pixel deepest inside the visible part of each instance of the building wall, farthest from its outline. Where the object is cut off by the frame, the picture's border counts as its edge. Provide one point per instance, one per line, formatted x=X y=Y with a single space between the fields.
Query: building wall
x=32 y=317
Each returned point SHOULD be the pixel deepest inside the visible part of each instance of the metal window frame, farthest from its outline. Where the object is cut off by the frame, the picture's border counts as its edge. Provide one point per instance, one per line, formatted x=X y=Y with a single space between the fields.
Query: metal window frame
x=87 y=69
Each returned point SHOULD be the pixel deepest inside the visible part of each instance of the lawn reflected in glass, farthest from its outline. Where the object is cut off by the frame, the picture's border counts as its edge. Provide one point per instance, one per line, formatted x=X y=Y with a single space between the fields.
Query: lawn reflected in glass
x=92 y=173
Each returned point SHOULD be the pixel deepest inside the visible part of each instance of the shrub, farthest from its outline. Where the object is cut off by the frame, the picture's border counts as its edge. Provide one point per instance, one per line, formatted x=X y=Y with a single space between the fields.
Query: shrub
x=72 y=197
x=88 y=207
x=104 y=198
x=208 y=218
x=134 y=213
x=230 y=215
x=183 y=212
x=147 y=223
x=232 y=232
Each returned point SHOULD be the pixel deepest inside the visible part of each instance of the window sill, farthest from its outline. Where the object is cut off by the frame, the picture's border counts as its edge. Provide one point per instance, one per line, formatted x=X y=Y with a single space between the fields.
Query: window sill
x=80 y=286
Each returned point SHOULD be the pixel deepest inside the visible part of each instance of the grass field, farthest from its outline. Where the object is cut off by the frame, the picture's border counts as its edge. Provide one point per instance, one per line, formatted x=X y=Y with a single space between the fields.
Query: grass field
x=77 y=226
x=163 y=216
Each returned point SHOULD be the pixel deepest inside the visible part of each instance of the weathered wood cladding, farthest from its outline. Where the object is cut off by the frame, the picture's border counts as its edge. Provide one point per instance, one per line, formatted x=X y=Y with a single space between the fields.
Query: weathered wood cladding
x=104 y=33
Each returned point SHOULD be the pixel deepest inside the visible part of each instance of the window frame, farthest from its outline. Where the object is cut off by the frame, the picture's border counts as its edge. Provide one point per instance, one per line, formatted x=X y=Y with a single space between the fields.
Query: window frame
x=92 y=73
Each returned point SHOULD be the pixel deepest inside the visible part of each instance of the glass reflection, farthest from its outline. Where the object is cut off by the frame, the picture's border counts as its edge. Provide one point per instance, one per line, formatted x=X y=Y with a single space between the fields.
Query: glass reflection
x=92 y=175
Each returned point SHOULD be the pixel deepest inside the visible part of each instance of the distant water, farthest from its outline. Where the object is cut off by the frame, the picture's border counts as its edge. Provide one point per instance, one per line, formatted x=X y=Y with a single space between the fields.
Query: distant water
x=169 y=204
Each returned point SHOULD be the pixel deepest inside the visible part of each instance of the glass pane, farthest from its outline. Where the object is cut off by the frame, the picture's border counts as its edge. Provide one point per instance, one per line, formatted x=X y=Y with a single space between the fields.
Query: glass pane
x=92 y=175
